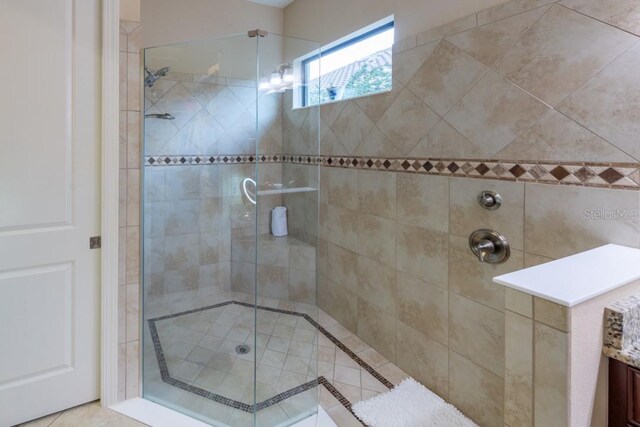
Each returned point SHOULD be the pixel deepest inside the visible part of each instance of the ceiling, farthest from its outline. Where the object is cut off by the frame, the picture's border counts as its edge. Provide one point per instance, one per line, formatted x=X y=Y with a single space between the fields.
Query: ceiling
x=274 y=3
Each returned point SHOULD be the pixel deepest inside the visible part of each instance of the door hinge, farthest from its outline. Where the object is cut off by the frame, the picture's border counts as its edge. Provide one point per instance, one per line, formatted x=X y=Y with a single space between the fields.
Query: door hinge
x=95 y=242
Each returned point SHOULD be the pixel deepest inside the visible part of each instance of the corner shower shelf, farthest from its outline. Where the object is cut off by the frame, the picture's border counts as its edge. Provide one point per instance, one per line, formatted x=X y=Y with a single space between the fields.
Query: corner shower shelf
x=286 y=191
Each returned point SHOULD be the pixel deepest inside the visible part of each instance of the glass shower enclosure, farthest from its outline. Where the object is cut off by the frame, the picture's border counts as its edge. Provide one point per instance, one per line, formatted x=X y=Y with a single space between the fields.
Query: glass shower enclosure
x=229 y=315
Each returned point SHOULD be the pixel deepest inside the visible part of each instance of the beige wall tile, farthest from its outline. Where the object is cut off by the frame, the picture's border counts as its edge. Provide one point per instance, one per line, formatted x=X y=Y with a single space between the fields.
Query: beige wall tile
x=447 y=30
x=406 y=63
x=557 y=220
x=477 y=332
x=133 y=140
x=273 y=282
x=624 y=14
x=377 y=238
x=424 y=359
x=376 y=144
x=351 y=126
x=343 y=188
x=341 y=227
x=375 y=105
x=550 y=377
x=508 y=9
x=467 y=215
x=302 y=286
x=424 y=307
x=338 y=302
x=342 y=267
x=556 y=137
x=407 y=121
x=443 y=141
x=445 y=77
x=608 y=103
x=122 y=314
x=302 y=258
x=474 y=280
x=488 y=43
x=478 y=393
x=329 y=112
x=133 y=312
x=133 y=255
x=494 y=113
x=579 y=46
x=518 y=302
x=377 y=193
x=377 y=329
x=531 y=260
x=122 y=197
x=133 y=82
x=518 y=387
x=133 y=369
x=377 y=284
x=423 y=201
x=551 y=314
x=122 y=256
x=422 y=253
x=133 y=197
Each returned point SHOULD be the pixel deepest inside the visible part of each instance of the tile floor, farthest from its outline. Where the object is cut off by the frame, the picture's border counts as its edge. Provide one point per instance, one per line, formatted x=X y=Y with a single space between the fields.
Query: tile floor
x=200 y=351
x=91 y=414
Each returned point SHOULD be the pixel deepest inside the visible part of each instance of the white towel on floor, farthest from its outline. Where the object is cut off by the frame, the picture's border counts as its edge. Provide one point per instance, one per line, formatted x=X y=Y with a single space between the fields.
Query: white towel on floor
x=410 y=404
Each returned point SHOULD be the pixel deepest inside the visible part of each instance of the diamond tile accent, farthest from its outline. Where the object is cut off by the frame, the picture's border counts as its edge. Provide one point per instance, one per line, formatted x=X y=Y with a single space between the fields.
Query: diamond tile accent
x=611 y=175
x=560 y=173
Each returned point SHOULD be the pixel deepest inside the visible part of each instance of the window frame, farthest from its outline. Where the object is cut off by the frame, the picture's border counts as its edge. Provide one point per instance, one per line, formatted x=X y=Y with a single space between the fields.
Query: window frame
x=380 y=27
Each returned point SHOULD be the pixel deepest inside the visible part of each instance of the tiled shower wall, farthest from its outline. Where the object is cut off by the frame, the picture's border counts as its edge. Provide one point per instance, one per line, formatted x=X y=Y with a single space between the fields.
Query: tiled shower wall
x=543 y=87
x=194 y=212
x=129 y=220
x=528 y=82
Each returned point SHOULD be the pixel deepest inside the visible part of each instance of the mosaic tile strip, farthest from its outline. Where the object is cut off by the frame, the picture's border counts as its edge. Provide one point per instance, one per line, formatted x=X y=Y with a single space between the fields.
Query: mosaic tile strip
x=167 y=378
x=205 y=159
x=603 y=175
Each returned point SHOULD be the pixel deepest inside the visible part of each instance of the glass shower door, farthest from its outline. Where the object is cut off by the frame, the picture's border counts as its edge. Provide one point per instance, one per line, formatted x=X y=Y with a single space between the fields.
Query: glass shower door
x=200 y=136
x=287 y=388
x=229 y=316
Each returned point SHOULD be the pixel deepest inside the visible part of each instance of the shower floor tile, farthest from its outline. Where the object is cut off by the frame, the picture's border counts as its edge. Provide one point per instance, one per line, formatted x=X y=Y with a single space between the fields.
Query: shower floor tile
x=298 y=351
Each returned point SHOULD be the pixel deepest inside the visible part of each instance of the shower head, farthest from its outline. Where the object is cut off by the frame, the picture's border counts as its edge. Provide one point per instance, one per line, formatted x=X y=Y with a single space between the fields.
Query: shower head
x=153 y=77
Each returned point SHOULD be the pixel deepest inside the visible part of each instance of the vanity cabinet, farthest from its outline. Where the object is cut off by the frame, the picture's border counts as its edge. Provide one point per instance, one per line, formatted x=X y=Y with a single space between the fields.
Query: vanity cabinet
x=624 y=395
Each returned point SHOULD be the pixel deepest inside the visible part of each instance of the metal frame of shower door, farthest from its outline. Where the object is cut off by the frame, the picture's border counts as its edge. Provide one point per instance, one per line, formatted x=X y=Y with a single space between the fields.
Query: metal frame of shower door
x=109 y=208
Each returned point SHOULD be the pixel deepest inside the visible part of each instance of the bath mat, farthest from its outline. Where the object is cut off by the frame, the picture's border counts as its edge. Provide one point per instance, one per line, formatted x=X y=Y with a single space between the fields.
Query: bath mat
x=410 y=404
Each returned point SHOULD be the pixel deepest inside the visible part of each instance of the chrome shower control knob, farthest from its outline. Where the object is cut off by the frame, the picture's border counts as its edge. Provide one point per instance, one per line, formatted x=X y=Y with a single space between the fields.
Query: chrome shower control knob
x=489 y=246
x=489 y=200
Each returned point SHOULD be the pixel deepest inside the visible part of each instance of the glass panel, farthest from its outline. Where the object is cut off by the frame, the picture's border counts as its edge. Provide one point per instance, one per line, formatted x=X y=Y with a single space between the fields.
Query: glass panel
x=214 y=173
x=287 y=242
x=199 y=229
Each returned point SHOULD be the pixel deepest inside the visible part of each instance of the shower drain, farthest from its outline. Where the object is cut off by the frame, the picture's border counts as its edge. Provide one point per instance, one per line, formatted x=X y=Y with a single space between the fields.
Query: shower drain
x=243 y=349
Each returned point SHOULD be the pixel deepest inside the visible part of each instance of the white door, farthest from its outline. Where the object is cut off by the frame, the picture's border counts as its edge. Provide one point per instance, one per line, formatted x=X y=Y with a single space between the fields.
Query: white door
x=49 y=206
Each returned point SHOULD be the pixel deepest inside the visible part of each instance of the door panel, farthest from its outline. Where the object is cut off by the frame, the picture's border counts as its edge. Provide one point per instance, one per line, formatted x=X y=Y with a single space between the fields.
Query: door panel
x=49 y=206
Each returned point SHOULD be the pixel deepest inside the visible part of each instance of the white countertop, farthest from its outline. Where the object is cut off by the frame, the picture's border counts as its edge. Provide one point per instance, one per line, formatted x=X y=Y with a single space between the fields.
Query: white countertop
x=572 y=280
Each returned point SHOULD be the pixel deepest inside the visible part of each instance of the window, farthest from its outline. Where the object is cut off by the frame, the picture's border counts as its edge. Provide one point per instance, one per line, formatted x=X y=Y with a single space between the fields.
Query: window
x=357 y=65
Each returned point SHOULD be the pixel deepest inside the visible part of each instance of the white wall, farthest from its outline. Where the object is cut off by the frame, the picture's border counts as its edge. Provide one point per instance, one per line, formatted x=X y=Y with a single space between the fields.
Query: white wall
x=174 y=21
x=205 y=22
x=328 y=20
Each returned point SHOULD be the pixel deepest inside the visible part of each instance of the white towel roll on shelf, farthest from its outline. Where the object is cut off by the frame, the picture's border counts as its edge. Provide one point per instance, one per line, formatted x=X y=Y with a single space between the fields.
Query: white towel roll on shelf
x=279 y=221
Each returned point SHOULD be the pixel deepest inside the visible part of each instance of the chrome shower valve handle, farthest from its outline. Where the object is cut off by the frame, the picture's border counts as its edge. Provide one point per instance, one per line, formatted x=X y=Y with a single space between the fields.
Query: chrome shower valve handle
x=489 y=200
x=489 y=246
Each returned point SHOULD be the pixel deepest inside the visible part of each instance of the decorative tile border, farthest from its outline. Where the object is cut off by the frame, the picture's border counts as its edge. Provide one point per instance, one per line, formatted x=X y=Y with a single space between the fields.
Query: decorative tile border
x=215 y=159
x=167 y=378
x=587 y=174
